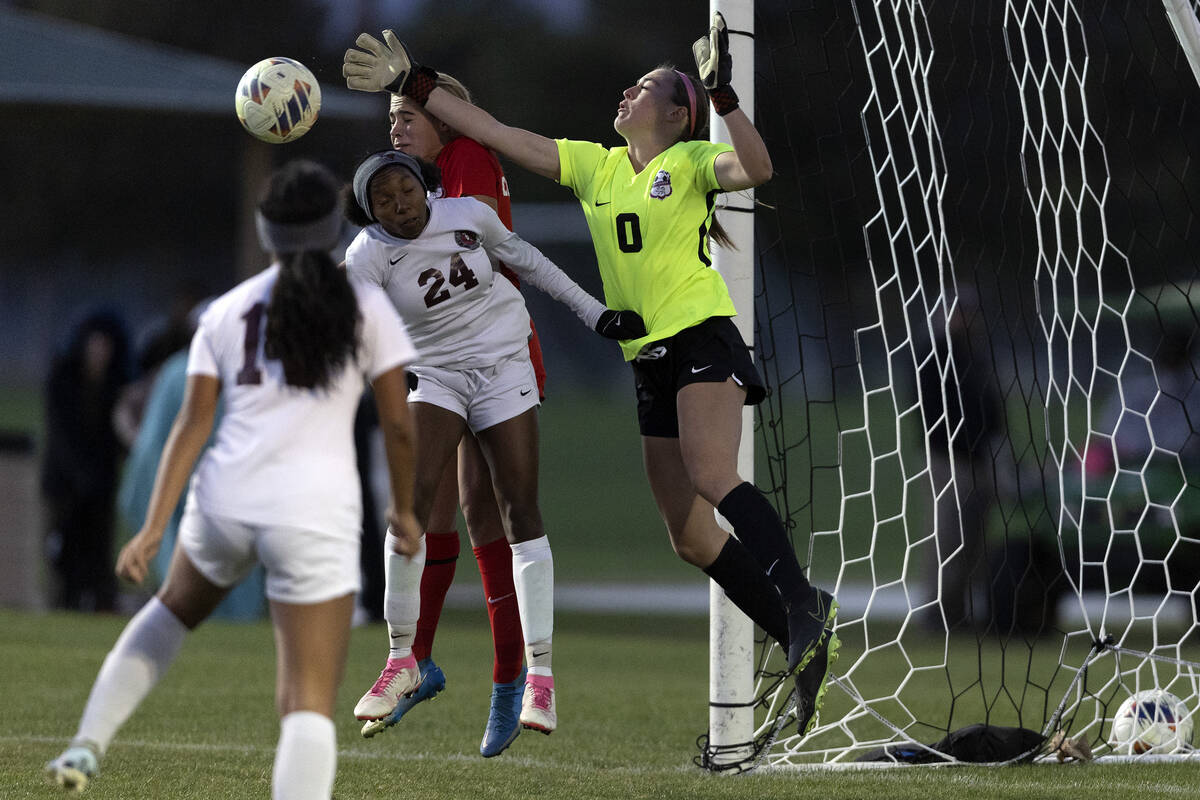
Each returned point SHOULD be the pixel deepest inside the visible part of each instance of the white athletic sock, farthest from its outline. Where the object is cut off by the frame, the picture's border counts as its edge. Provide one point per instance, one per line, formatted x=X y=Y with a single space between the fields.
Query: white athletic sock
x=305 y=758
x=141 y=655
x=402 y=596
x=533 y=575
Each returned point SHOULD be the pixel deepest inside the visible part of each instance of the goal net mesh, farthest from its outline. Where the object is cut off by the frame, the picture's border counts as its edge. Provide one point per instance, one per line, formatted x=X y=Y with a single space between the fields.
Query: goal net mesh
x=977 y=310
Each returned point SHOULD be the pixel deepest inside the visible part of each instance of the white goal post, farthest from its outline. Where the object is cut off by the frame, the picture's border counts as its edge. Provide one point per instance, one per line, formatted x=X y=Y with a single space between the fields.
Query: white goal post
x=1186 y=24
x=731 y=633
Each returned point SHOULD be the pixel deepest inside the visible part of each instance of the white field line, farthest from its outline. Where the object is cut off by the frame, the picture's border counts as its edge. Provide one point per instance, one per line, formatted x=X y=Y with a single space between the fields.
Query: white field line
x=352 y=753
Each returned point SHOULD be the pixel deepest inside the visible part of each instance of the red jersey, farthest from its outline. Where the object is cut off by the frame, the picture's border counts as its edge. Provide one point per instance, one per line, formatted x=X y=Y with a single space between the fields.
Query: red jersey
x=470 y=169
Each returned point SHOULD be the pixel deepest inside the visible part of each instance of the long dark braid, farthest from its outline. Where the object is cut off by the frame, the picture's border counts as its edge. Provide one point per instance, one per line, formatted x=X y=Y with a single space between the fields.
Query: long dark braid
x=312 y=322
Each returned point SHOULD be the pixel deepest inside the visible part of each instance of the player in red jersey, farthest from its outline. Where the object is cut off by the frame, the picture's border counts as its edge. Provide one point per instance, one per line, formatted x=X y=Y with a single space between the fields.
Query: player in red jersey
x=468 y=170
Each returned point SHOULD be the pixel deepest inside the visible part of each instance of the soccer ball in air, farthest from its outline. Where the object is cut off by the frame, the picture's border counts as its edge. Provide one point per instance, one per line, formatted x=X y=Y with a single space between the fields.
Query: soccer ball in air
x=278 y=100
x=1151 y=721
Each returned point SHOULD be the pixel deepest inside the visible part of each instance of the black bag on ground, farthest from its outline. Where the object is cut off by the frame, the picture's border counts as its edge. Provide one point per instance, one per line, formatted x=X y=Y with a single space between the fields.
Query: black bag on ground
x=974 y=744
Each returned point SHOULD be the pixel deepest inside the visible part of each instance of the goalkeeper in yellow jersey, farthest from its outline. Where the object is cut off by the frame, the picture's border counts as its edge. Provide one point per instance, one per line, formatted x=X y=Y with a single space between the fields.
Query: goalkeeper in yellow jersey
x=649 y=207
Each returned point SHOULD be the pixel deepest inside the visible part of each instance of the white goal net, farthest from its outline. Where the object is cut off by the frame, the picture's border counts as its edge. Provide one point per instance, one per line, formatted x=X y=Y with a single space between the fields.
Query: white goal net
x=978 y=307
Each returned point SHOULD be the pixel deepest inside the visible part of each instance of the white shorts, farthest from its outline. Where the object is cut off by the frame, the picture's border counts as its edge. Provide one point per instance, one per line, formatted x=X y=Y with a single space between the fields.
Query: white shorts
x=483 y=397
x=302 y=566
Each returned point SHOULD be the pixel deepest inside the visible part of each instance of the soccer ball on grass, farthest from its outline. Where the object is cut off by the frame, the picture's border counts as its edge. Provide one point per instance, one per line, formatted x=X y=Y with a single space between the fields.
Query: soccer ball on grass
x=1151 y=721
x=277 y=100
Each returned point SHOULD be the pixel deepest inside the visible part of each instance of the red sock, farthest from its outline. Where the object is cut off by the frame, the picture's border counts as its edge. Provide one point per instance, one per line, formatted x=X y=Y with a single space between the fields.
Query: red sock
x=441 y=556
x=495 y=567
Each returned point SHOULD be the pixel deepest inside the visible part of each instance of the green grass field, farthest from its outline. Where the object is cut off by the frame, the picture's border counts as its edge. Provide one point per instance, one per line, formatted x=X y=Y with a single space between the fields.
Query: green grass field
x=632 y=693
x=633 y=689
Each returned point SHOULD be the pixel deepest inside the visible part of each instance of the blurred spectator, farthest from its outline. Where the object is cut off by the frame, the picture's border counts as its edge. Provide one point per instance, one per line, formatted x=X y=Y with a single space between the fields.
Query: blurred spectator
x=1134 y=526
x=245 y=601
x=959 y=447
x=157 y=342
x=1142 y=536
x=81 y=461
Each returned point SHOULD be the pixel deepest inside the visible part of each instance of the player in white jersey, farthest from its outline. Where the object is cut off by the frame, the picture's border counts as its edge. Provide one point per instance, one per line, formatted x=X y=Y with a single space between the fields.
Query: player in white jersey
x=286 y=352
x=435 y=257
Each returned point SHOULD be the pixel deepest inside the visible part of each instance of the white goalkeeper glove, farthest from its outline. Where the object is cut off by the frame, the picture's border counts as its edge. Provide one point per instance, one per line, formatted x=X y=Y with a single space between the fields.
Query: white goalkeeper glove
x=715 y=65
x=386 y=66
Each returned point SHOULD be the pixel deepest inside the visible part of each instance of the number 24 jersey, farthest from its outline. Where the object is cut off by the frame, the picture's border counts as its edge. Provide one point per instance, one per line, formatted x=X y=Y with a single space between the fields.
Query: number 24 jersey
x=458 y=309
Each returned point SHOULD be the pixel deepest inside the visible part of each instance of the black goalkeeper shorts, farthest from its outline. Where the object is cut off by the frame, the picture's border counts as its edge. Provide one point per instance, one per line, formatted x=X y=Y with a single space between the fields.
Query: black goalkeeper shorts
x=710 y=352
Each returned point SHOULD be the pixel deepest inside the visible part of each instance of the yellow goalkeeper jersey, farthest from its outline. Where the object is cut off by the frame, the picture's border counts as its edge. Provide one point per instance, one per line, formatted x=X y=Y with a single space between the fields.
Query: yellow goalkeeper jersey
x=650 y=231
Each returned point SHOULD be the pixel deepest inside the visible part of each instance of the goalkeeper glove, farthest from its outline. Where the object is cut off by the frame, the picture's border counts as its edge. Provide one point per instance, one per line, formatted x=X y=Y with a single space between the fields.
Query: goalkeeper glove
x=387 y=66
x=715 y=66
x=621 y=325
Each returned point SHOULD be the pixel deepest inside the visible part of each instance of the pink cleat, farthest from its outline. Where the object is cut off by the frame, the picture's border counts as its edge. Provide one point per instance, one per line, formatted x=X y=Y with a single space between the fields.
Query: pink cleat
x=537 y=704
x=400 y=678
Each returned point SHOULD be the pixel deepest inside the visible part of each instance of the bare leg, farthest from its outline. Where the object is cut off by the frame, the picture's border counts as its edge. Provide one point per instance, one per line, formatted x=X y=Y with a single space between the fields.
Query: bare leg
x=187 y=593
x=511 y=449
x=437 y=431
x=710 y=423
x=710 y=430
x=476 y=495
x=699 y=540
x=691 y=525
x=144 y=651
x=437 y=434
x=311 y=642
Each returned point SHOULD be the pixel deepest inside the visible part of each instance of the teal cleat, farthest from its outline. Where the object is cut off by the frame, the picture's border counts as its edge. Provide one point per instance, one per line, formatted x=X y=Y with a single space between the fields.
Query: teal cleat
x=73 y=769
x=433 y=681
x=504 y=722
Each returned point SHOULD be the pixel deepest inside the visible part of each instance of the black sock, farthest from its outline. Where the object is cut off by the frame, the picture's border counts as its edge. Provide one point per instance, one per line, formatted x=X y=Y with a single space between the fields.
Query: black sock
x=758 y=525
x=746 y=585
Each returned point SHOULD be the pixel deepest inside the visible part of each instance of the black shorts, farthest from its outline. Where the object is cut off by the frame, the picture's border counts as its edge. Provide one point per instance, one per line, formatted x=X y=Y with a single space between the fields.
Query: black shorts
x=710 y=352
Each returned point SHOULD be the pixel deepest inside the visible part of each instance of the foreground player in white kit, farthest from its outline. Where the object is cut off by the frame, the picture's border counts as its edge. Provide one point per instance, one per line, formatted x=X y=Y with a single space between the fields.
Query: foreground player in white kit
x=435 y=257
x=286 y=351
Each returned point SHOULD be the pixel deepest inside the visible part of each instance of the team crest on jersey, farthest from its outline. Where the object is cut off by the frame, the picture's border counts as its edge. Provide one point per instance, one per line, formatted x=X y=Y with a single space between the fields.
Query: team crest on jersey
x=467 y=240
x=662 y=185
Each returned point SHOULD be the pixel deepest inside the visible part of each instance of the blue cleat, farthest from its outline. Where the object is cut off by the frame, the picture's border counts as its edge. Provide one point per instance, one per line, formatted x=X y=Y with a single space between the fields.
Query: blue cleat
x=503 y=723
x=433 y=680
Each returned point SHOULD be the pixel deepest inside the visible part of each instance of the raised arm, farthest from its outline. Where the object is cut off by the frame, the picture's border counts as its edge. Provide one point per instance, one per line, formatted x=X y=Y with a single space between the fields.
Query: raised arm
x=749 y=164
x=387 y=65
x=532 y=151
